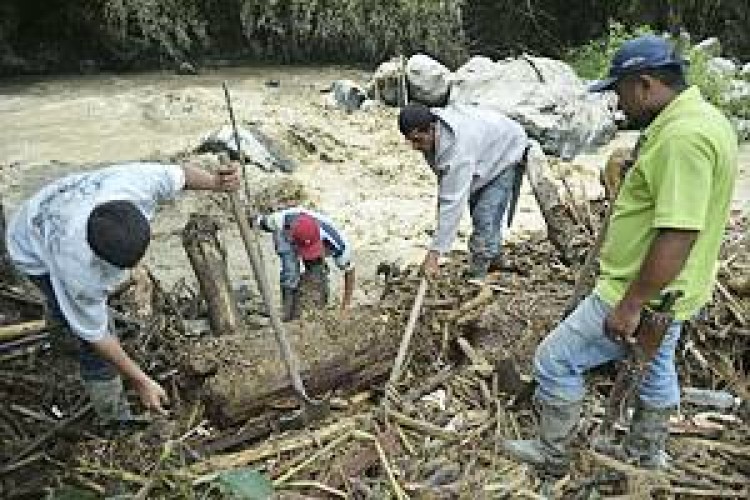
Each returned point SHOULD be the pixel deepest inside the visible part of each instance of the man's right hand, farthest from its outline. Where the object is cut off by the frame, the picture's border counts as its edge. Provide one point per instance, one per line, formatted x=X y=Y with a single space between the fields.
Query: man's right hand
x=431 y=264
x=153 y=396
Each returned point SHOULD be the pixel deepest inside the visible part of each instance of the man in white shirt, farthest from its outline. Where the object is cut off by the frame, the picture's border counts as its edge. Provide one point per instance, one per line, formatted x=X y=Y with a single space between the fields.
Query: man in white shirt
x=305 y=236
x=77 y=238
x=477 y=156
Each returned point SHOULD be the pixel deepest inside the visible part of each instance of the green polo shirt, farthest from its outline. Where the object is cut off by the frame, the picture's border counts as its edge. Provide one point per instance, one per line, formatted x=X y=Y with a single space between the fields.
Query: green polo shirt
x=683 y=179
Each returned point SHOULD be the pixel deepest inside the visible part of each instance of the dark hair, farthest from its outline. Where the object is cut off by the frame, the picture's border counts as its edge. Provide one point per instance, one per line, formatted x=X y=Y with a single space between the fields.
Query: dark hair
x=118 y=233
x=415 y=117
x=672 y=76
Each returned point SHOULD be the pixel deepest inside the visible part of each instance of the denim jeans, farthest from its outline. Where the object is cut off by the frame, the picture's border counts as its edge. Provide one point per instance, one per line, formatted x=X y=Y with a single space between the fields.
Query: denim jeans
x=579 y=344
x=92 y=366
x=291 y=272
x=487 y=207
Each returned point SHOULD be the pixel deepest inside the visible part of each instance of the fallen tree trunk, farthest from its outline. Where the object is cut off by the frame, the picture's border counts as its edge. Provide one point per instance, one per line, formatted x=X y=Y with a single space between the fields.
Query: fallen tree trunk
x=560 y=227
x=209 y=263
x=241 y=376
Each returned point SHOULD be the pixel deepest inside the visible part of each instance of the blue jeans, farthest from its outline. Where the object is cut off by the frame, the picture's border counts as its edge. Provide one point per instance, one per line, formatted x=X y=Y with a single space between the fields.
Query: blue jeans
x=487 y=207
x=579 y=344
x=92 y=366
x=291 y=272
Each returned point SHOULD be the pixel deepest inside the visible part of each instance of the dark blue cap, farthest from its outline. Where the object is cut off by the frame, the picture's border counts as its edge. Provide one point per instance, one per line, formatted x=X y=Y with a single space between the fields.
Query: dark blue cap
x=638 y=54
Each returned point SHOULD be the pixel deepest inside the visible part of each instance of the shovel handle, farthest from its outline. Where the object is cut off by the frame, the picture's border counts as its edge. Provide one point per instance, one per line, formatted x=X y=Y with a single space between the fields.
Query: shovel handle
x=408 y=332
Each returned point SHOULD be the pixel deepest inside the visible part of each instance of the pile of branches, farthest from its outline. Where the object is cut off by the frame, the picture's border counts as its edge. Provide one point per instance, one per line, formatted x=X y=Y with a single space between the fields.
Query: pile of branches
x=463 y=391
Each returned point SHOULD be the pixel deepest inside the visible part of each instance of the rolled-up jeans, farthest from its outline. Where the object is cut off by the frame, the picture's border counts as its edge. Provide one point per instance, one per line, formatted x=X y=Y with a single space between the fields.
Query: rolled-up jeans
x=92 y=366
x=579 y=343
x=487 y=208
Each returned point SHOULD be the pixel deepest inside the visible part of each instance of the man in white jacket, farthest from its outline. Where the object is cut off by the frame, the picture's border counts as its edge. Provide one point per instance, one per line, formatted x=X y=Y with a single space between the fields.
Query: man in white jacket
x=476 y=154
x=76 y=239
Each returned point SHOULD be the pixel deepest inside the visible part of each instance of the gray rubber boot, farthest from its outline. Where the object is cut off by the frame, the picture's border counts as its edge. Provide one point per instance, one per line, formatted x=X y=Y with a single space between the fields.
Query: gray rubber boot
x=108 y=399
x=549 y=452
x=646 y=442
x=290 y=307
x=478 y=268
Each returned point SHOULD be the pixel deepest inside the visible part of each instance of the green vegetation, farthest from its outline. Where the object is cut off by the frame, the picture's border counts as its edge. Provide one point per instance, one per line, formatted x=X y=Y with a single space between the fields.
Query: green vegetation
x=591 y=61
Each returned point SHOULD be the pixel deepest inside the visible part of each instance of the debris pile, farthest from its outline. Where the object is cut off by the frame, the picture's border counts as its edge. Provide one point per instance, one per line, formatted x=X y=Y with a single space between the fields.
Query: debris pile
x=464 y=390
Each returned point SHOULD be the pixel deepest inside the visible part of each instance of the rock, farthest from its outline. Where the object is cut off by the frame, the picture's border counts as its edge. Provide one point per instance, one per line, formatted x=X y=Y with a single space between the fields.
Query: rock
x=272 y=83
x=347 y=95
x=428 y=80
x=722 y=66
x=745 y=71
x=739 y=90
x=369 y=104
x=544 y=95
x=711 y=47
x=257 y=148
x=742 y=127
x=186 y=68
x=386 y=84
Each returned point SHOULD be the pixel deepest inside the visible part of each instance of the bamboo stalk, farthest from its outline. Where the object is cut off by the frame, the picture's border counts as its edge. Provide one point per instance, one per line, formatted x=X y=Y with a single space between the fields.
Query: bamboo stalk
x=315 y=456
x=11 y=332
x=269 y=449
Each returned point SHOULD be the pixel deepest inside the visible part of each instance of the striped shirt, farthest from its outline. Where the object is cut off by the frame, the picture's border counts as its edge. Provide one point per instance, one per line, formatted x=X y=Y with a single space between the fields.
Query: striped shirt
x=336 y=244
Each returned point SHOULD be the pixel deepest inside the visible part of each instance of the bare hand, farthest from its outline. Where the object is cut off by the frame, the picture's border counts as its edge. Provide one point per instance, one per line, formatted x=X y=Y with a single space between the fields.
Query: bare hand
x=430 y=266
x=622 y=322
x=153 y=396
x=227 y=177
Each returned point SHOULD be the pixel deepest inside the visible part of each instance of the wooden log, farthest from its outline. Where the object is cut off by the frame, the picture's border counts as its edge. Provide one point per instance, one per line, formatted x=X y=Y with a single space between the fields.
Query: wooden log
x=552 y=205
x=208 y=259
x=241 y=376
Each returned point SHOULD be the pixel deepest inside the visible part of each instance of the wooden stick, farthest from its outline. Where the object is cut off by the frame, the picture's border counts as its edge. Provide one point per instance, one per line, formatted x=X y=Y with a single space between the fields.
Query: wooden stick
x=400 y=495
x=315 y=456
x=318 y=486
x=41 y=440
x=734 y=306
x=10 y=332
x=693 y=492
x=718 y=446
x=422 y=426
x=398 y=364
x=479 y=364
x=708 y=473
x=270 y=448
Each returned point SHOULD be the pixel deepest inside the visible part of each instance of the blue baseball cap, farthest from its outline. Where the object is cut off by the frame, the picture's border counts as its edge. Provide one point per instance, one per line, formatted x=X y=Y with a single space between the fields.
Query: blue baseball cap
x=644 y=52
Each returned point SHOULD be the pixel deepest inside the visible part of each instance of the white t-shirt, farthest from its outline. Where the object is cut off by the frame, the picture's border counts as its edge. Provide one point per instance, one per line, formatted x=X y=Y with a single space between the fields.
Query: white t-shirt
x=48 y=235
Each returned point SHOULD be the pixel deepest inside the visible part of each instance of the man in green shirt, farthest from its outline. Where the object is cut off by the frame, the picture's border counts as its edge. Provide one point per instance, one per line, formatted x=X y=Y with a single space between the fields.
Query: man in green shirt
x=664 y=235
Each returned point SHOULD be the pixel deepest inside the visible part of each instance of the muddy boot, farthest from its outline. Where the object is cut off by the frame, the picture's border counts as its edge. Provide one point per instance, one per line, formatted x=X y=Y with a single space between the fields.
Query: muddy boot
x=646 y=442
x=549 y=451
x=478 y=268
x=109 y=401
x=290 y=306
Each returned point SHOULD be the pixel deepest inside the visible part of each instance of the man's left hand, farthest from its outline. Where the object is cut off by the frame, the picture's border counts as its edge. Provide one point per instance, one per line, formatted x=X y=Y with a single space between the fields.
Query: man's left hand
x=622 y=321
x=227 y=177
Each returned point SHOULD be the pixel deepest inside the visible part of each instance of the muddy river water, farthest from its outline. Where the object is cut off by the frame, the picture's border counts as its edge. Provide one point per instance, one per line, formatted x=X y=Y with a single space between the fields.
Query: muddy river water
x=363 y=174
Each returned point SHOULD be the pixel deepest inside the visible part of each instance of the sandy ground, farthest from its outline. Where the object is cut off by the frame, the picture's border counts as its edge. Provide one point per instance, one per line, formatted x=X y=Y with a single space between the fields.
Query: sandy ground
x=364 y=176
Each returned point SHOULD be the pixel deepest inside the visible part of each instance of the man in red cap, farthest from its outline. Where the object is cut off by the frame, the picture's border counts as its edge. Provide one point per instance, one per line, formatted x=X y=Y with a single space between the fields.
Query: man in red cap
x=303 y=235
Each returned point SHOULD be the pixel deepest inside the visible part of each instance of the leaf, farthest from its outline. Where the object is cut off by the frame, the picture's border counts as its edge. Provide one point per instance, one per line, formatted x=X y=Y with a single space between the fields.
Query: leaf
x=245 y=484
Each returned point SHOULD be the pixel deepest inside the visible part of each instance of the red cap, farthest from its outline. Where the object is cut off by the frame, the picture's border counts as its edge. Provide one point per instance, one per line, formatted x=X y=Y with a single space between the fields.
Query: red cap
x=305 y=233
